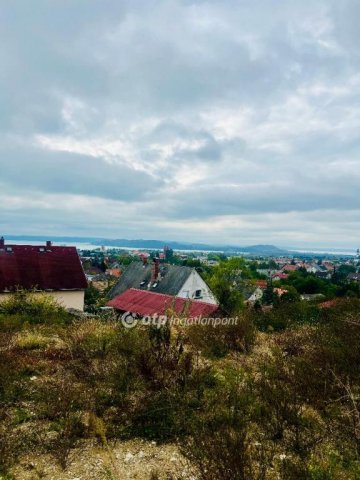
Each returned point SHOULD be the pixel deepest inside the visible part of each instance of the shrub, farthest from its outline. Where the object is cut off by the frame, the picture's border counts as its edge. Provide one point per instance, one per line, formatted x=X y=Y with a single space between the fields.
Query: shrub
x=31 y=307
x=36 y=339
x=92 y=337
x=69 y=430
x=219 y=340
x=287 y=315
x=11 y=375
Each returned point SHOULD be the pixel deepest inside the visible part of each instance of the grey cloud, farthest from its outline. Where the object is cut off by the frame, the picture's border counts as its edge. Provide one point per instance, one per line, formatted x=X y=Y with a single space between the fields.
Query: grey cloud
x=53 y=172
x=257 y=102
x=205 y=202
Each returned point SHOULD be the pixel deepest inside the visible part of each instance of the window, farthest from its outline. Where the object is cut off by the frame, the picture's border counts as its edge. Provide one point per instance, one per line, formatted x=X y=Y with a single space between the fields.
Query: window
x=198 y=293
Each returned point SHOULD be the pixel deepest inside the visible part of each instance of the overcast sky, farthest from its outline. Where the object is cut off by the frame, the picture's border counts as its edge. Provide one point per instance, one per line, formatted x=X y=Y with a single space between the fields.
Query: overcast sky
x=227 y=121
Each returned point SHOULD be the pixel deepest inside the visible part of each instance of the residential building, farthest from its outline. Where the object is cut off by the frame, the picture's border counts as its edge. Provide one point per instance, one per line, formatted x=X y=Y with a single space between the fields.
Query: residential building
x=261 y=284
x=144 y=302
x=173 y=280
x=279 y=276
x=45 y=268
x=354 y=277
x=311 y=296
x=290 y=268
x=255 y=296
x=113 y=272
x=280 y=291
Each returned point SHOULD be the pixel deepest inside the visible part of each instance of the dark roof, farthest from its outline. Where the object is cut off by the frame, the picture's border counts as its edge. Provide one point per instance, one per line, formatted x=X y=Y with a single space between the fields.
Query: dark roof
x=354 y=276
x=173 y=278
x=143 y=302
x=324 y=274
x=41 y=267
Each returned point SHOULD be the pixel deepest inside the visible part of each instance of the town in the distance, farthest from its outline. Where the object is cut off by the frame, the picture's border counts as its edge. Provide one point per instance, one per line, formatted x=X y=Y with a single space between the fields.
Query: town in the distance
x=145 y=281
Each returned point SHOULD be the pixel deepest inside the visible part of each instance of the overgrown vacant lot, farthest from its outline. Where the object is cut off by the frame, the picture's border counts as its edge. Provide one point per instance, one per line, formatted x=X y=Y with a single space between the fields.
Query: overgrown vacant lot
x=275 y=397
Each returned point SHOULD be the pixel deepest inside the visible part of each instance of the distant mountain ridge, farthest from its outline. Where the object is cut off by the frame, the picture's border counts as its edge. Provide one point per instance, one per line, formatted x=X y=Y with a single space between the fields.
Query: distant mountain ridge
x=155 y=244
x=159 y=244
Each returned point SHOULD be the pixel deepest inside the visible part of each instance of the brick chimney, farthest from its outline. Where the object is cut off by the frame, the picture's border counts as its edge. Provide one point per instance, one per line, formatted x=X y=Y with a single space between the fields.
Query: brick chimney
x=155 y=270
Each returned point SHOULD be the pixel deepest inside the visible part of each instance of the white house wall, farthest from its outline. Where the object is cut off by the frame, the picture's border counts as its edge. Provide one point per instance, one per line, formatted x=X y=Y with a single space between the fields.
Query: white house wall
x=193 y=283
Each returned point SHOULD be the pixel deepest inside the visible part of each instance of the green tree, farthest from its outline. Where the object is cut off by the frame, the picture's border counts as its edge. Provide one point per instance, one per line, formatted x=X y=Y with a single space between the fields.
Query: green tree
x=269 y=295
x=226 y=281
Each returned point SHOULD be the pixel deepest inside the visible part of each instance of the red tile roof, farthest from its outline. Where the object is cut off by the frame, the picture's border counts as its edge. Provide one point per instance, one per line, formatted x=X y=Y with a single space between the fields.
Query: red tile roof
x=115 y=272
x=281 y=275
x=329 y=303
x=280 y=291
x=144 y=302
x=290 y=268
x=41 y=267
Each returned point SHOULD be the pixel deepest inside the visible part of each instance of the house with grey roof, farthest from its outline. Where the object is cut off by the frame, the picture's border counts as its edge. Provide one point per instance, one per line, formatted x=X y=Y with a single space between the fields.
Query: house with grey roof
x=183 y=282
x=354 y=277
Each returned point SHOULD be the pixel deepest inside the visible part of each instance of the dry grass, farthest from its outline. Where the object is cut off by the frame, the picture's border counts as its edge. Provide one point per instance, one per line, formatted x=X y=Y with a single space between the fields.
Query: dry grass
x=37 y=339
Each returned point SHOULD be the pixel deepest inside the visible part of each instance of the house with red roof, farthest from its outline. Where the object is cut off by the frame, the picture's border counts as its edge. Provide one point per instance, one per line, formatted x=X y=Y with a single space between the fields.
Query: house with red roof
x=44 y=268
x=290 y=268
x=113 y=272
x=147 y=303
x=280 y=291
x=261 y=284
x=280 y=276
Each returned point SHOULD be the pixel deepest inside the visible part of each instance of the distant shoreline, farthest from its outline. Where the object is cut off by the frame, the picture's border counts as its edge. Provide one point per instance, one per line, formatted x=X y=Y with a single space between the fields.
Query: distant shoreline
x=88 y=243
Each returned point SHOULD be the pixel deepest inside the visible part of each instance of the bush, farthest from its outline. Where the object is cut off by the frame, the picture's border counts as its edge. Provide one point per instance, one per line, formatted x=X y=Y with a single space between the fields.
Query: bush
x=286 y=409
x=287 y=315
x=219 y=340
x=31 y=307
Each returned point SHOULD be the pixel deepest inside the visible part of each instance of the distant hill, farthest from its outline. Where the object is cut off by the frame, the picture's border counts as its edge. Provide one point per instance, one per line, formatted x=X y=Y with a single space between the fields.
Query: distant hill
x=154 y=244
x=159 y=244
x=265 y=249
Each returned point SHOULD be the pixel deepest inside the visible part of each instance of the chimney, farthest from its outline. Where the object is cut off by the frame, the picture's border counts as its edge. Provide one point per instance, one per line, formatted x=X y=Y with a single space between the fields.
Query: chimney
x=144 y=260
x=48 y=244
x=2 y=242
x=155 y=270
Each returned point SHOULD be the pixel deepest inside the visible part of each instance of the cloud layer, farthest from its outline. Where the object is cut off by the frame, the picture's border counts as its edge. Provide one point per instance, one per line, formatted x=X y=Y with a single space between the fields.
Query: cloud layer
x=232 y=122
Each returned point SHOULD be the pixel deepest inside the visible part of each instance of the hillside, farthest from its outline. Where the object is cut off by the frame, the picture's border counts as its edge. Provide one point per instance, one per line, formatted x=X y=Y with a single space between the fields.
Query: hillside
x=275 y=396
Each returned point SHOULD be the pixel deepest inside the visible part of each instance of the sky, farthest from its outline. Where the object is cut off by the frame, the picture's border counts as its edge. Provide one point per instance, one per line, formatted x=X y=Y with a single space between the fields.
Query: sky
x=216 y=121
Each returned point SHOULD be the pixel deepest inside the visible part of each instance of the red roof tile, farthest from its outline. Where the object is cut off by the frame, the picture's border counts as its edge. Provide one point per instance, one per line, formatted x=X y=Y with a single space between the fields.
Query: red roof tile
x=280 y=291
x=281 y=275
x=42 y=267
x=144 y=302
x=290 y=268
x=329 y=303
x=115 y=272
